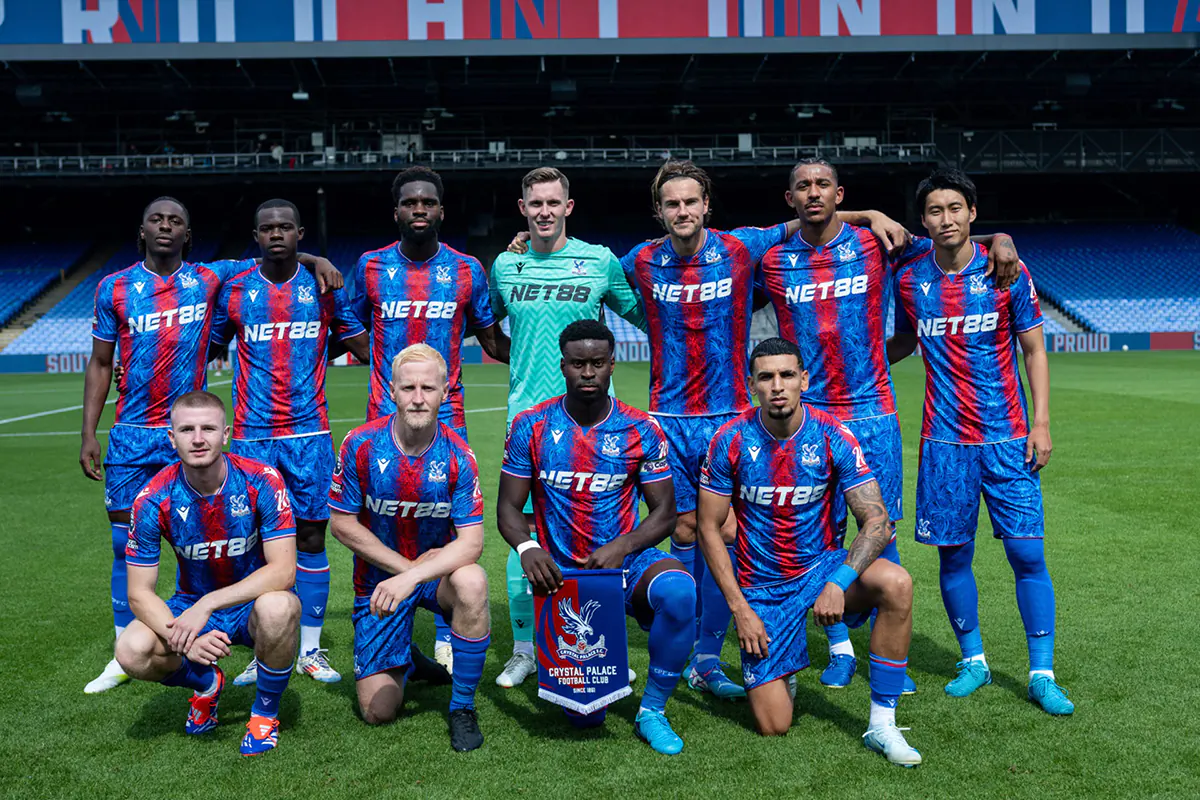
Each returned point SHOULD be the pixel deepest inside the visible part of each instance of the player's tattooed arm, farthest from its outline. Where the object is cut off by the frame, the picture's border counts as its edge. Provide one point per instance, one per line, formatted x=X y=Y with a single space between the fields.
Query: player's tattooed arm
x=95 y=393
x=874 y=531
x=655 y=528
x=901 y=346
x=1002 y=258
x=539 y=567
x=711 y=510
x=495 y=342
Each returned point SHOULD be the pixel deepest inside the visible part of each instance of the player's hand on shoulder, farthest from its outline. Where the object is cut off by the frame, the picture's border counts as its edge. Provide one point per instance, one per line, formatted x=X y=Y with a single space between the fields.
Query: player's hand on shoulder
x=185 y=628
x=389 y=594
x=830 y=605
x=610 y=556
x=1038 y=447
x=209 y=648
x=328 y=276
x=90 y=458
x=519 y=243
x=891 y=234
x=541 y=571
x=752 y=634
x=1002 y=259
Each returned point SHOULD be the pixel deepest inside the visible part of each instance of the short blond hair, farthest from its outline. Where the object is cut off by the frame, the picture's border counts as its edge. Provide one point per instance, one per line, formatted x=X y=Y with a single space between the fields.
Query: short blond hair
x=418 y=352
x=198 y=399
x=545 y=175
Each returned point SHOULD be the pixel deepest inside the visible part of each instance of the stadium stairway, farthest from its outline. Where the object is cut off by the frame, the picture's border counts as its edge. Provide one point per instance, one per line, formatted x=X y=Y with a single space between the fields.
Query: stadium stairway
x=94 y=260
x=1052 y=311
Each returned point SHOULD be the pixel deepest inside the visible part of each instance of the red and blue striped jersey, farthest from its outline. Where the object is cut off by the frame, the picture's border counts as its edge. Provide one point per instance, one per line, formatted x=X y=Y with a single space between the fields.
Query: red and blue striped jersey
x=584 y=481
x=968 y=335
x=412 y=503
x=783 y=492
x=217 y=538
x=161 y=327
x=831 y=300
x=282 y=332
x=698 y=313
x=405 y=302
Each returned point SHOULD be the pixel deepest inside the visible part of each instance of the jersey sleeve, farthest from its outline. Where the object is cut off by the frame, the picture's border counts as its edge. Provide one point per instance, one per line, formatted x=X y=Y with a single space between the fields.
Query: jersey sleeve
x=481 y=314
x=345 y=324
x=518 y=458
x=359 y=303
x=145 y=531
x=1026 y=310
x=466 y=503
x=621 y=297
x=917 y=247
x=345 y=492
x=654 y=466
x=848 y=459
x=274 y=509
x=228 y=269
x=104 y=315
x=903 y=322
x=223 y=329
x=716 y=473
x=495 y=297
x=759 y=240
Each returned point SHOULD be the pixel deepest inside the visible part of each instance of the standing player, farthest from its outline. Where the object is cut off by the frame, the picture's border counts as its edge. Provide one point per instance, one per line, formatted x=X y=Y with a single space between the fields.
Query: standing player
x=282 y=325
x=697 y=287
x=157 y=312
x=588 y=458
x=782 y=465
x=559 y=281
x=229 y=522
x=421 y=290
x=975 y=434
x=829 y=286
x=406 y=501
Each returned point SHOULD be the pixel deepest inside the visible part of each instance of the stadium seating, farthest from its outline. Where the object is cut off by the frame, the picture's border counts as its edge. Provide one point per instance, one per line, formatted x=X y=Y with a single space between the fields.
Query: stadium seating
x=67 y=327
x=28 y=270
x=1117 y=278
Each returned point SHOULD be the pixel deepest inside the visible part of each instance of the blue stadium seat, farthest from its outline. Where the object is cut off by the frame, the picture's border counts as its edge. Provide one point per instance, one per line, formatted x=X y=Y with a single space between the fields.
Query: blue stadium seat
x=28 y=270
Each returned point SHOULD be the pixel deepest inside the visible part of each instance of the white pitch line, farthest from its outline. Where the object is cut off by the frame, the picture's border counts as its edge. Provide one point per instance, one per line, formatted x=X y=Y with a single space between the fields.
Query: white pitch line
x=105 y=432
x=65 y=409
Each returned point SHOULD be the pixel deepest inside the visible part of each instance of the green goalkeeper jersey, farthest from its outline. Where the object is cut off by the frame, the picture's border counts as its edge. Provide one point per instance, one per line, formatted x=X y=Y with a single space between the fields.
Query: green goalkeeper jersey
x=542 y=293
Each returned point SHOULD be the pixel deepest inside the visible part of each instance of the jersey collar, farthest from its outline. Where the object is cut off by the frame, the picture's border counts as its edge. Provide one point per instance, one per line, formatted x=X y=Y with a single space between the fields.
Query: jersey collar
x=837 y=237
x=795 y=433
x=669 y=248
x=192 y=490
x=437 y=432
x=406 y=260
x=612 y=406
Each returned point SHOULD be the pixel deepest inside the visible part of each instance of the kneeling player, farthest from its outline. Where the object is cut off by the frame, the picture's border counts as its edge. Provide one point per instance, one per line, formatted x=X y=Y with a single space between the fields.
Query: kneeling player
x=588 y=458
x=230 y=523
x=782 y=464
x=406 y=500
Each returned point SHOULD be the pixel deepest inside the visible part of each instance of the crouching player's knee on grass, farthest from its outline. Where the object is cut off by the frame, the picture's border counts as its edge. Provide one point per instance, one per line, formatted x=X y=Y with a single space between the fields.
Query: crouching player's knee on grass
x=406 y=502
x=230 y=522
x=780 y=466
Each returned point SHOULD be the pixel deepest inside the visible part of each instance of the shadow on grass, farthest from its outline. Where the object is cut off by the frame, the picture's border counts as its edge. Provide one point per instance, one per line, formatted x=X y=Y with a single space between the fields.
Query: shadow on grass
x=165 y=713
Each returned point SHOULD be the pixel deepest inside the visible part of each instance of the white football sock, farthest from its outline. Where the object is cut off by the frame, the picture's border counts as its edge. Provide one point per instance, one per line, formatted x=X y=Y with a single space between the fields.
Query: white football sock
x=1033 y=673
x=310 y=638
x=980 y=658
x=845 y=648
x=523 y=647
x=881 y=715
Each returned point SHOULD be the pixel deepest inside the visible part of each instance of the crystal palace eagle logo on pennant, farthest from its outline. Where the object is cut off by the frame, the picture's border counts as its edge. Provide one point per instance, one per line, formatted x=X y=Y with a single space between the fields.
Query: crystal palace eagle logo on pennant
x=579 y=625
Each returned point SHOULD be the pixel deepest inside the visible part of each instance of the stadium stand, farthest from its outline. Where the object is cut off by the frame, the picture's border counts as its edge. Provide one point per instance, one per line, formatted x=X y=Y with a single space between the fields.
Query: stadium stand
x=67 y=327
x=28 y=270
x=1118 y=278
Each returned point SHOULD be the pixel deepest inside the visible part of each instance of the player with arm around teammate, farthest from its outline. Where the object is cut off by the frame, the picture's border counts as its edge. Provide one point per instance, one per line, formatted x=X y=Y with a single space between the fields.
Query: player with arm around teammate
x=781 y=465
x=229 y=521
x=586 y=458
x=156 y=314
x=976 y=436
x=283 y=326
x=406 y=501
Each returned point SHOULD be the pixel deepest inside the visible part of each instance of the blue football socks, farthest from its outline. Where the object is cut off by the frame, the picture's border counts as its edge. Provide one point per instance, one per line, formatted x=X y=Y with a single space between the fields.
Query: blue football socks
x=961 y=596
x=469 y=655
x=270 y=685
x=1035 y=599
x=118 y=583
x=672 y=596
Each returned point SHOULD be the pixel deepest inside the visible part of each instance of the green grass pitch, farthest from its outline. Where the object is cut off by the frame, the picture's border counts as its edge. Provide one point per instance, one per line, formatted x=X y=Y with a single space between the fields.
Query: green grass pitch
x=1121 y=498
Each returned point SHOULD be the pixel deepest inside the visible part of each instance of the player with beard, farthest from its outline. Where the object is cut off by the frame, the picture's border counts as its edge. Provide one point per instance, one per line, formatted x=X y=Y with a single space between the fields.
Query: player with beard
x=230 y=523
x=156 y=314
x=406 y=501
x=420 y=289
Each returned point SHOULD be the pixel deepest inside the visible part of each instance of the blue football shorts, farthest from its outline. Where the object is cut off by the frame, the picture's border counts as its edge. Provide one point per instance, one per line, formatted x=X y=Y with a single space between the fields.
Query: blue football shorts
x=134 y=456
x=234 y=621
x=952 y=477
x=383 y=644
x=306 y=464
x=688 y=439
